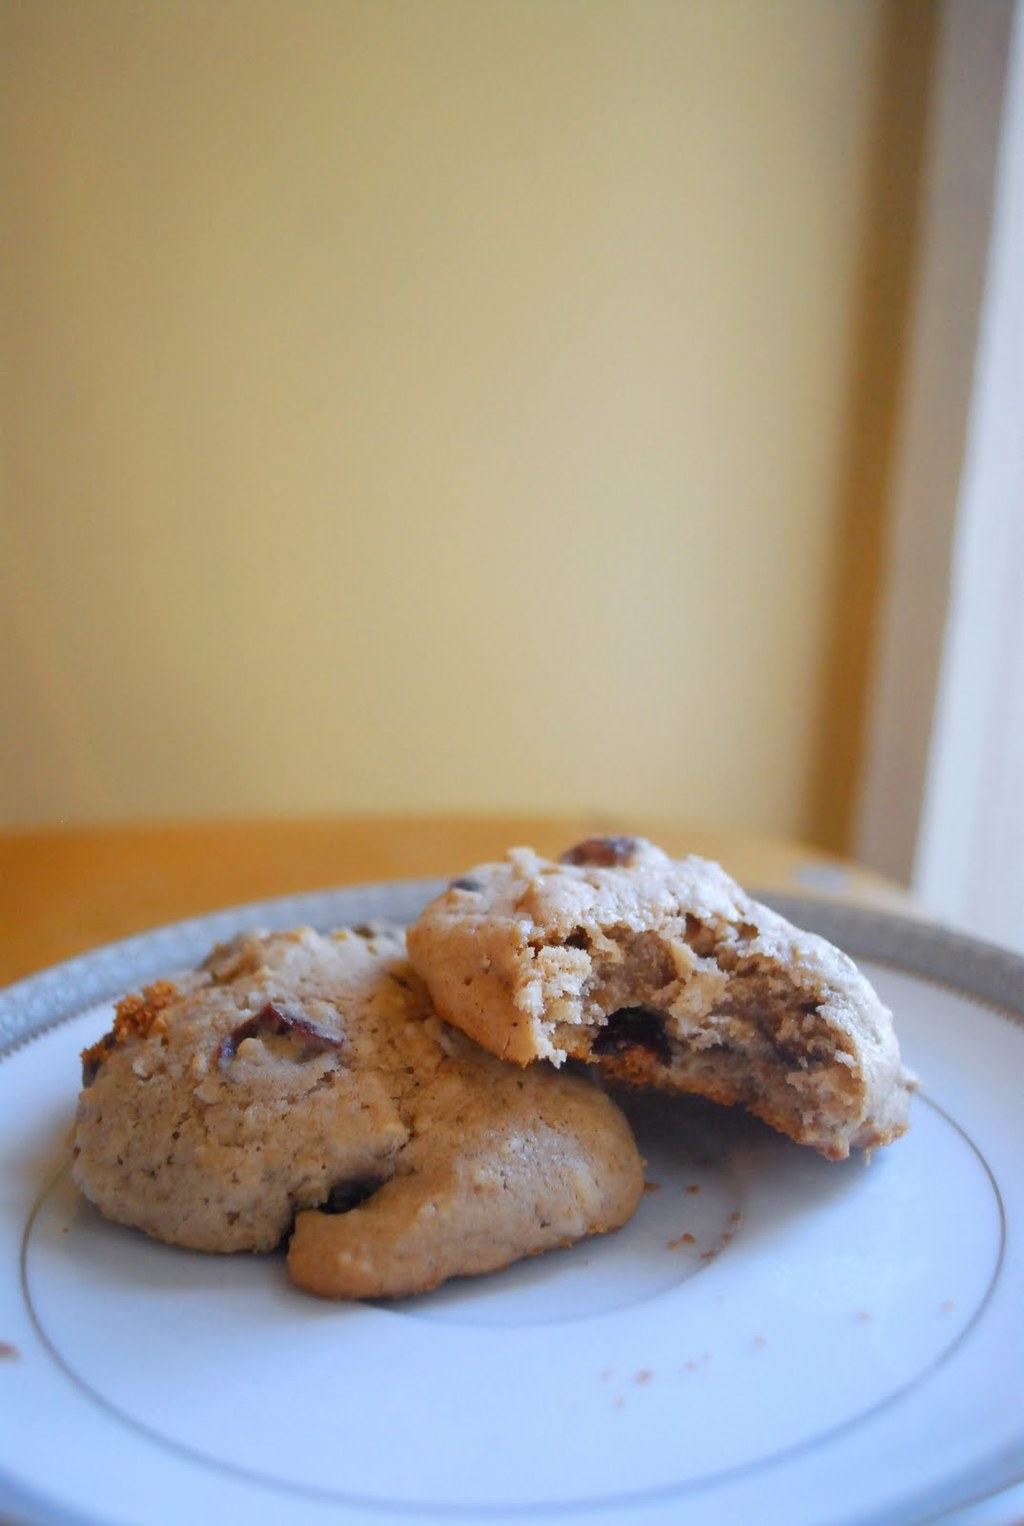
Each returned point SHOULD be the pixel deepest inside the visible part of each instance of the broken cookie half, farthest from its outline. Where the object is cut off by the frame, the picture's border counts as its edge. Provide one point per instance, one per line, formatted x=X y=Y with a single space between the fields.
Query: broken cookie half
x=664 y=972
x=300 y=1085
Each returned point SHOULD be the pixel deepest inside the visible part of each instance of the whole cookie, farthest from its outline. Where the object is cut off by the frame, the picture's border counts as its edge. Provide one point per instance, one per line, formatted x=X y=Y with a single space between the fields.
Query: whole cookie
x=665 y=973
x=302 y=1079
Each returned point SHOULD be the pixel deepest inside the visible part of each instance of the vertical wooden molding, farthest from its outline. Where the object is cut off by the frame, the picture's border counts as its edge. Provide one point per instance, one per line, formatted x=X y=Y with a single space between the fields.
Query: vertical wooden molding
x=906 y=48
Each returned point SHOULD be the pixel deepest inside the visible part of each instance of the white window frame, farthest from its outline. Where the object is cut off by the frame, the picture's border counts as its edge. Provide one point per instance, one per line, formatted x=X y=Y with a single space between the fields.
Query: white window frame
x=930 y=726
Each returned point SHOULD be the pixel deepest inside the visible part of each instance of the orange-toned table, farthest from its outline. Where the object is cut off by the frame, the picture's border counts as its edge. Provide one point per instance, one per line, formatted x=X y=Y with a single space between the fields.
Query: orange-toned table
x=66 y=890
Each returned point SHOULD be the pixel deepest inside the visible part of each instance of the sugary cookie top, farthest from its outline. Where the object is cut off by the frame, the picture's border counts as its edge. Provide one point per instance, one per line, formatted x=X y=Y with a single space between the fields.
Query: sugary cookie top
x=346 y=998
x=630 y=883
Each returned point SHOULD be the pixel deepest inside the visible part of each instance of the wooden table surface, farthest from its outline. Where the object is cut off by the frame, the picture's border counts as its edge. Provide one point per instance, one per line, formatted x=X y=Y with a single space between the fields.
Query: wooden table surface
x=66 y=890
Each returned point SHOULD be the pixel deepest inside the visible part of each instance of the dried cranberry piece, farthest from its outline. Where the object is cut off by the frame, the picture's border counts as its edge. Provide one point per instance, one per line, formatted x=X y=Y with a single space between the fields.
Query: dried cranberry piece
x=602 y=852
x=271 y=1021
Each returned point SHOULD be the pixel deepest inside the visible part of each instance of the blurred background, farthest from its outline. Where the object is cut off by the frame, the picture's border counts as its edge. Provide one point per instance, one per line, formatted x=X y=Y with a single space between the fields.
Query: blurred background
x=464 y=407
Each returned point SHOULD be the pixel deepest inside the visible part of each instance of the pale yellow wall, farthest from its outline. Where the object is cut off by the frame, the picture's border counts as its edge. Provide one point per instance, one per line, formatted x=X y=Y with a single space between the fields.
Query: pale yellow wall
x=425 y=404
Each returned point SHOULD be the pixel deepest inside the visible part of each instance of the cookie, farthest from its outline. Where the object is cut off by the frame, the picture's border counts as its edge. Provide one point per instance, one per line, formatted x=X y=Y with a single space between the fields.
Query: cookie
x=665 y=973
x=300 y=1079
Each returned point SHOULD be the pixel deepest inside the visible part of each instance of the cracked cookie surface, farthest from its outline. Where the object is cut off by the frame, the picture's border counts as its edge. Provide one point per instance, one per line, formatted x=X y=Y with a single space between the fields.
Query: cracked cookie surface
x=302 y=1079
x=664 y=972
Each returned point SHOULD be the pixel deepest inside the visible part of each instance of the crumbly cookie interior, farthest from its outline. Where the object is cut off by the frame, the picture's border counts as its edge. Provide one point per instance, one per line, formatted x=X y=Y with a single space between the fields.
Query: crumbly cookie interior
x=700 y=1008
x=666 y=973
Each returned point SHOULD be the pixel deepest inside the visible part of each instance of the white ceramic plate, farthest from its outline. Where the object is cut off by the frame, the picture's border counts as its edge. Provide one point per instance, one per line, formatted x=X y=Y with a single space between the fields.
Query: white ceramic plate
x=772 y=1338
